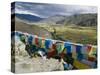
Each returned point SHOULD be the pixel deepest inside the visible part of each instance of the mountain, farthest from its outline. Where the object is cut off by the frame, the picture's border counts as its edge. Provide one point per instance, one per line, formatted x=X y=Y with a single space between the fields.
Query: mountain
x=28 y=17
x=77 y=19
x=32 y=29
x=19 y=25
x=82 y=20
x=54 y=19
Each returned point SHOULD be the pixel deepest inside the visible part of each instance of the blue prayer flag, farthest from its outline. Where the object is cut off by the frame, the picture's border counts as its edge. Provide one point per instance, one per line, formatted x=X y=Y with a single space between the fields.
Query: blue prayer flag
x=78 y=49
x=30 y=38
x=79 y=52
x=18 y=34
x=68 y=47
x=48 y=43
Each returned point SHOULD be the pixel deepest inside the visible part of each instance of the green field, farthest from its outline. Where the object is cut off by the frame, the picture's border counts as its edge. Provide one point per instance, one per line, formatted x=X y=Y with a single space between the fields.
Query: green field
x=73 y=33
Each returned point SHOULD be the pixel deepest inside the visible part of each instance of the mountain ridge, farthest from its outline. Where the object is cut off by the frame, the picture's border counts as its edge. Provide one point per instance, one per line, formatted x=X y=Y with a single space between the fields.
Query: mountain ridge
x=28 y=17
x=76 y=19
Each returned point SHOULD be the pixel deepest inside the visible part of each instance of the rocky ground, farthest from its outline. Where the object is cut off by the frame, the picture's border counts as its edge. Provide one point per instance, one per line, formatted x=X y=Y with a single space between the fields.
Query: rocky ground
x=25 y=64
x=37 y=64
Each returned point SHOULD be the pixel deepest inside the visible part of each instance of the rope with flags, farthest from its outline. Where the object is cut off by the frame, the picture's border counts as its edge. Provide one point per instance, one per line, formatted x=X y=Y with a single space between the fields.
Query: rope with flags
x=77 y=51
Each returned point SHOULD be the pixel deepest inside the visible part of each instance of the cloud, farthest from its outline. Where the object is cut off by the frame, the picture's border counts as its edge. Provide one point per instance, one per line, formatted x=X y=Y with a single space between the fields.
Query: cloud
x=27 y=12
x=46 y=10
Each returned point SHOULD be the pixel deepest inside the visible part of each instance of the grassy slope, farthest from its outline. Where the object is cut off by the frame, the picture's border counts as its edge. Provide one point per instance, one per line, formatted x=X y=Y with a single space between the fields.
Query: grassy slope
x=84 y=35
x=32 y=29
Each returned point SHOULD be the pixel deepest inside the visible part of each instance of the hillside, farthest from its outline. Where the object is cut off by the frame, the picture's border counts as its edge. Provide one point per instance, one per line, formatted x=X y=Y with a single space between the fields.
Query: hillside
x=32 y=29
x=82 y=20
x=52 y=20
x=77 y=19
x=28 y=17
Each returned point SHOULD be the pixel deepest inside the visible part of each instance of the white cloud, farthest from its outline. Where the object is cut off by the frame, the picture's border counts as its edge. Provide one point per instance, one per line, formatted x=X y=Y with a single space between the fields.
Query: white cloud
x=27 y=12
x=46 y=10
x=79 y=9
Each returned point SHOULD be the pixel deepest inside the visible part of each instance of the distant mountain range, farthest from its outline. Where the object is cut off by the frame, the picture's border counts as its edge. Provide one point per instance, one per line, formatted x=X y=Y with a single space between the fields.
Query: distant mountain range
x=82 y=20
x=54 y=19
x=28 y=17
x=77 y=19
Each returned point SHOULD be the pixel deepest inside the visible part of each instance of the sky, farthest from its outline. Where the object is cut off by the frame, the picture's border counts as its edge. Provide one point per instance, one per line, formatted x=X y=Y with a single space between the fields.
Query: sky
x=47 y=10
